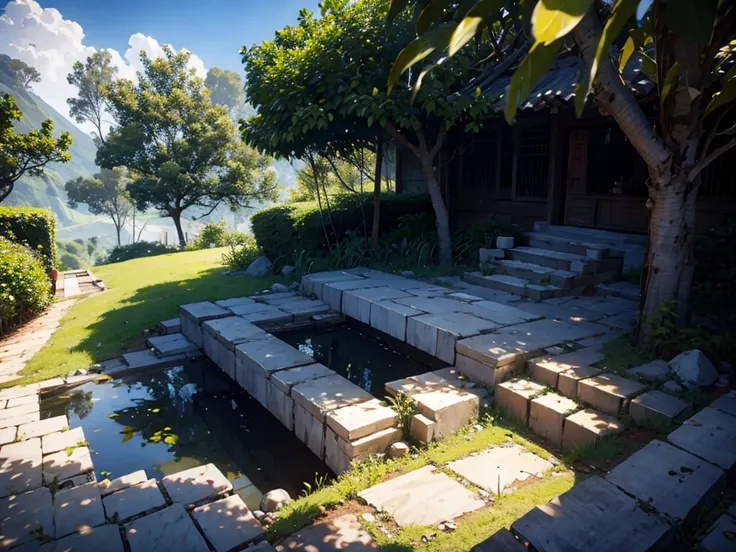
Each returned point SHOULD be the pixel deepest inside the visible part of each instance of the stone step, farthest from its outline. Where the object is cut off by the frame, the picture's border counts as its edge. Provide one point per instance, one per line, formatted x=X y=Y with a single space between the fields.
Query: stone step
x=609 y=393
x=625 y=290
x=165 y=346
x=592 y=235
x=517 y=286
x=545 y=275
x=566 y=245
x=579 y=264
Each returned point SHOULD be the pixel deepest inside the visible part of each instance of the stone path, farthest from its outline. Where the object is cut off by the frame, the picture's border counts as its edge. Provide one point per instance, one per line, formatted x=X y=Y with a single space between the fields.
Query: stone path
x=78 y=282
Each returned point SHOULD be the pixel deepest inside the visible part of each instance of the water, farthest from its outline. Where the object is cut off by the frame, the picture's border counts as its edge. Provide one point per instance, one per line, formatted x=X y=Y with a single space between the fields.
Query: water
x=172 y=419
x=362 y=355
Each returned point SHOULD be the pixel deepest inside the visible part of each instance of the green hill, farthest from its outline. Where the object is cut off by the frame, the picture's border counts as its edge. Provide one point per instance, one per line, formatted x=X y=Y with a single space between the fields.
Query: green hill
x=48 y=190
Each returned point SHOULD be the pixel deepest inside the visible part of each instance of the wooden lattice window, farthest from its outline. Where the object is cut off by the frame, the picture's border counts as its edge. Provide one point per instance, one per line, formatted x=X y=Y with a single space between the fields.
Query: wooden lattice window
x=532 y=162
x=480 y=163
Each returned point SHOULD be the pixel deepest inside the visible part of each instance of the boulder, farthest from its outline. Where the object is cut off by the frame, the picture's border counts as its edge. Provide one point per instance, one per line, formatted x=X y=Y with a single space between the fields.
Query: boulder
x=671 y=387
x=287 y=269
x=279 y=288
x=397 y=450
x=693 y=367
x=294 y=286
x=259 y=267
x=407 y=273
x=259 y=515
x=274 y=500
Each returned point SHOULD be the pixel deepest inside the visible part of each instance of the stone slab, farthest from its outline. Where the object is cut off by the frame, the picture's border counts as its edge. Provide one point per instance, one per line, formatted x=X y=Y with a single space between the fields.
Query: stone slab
x=357 y=303
x=54 y=442
x=169 y=345
x=227 y=523
x=309 y=430
x=657 y=370
x=146 y=359
x=421 y=429
x=375 y=443
x=449 y=409
x=23 y=514
x=170 y=326
x=203 y=311
x=329 y=393
x=390 y=318
x=504 y=315
x=569 y=523
x=609 y=393
x=233 y=330
x=436 y=334
x=547 y=415
x=312 y=283
x=195 y=484
x=480 y=373
x=251 y=496
x=422 y=497
x=582 y=357
x=587 y=427
x=108 y=487
x=567 y=381
x=513 y=397
x=20 y=467
x=21 y=419
x=18 y=401
x=284 y=380
x=234 y=302
x=271 y=315
x=657 y=407
x=360 y=420
x=709 y=434
x=19 y=410
x=673 y=482
x=720 y=536
x=269 y=355
x=502 y=540
x=726 y=403
x=332 y=291
x=545 y=371
x=168 y=529
x=335 y=457
x=134 y=500
x=19 y=391
x=78 y=509
x=61 y=465
x=304 y=307
x=342 y=533
x=7 y=435
x=280 y=405
x=250 y=308
x=498 y=468
x=104 y=538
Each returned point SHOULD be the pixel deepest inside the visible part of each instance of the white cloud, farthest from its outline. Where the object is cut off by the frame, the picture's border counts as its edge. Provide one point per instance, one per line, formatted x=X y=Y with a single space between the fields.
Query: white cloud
x=44 y=39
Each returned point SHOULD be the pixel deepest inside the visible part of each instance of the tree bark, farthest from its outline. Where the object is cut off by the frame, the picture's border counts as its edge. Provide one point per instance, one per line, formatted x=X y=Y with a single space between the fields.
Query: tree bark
x=377 y=195
x=176 y=217
x=440 y=210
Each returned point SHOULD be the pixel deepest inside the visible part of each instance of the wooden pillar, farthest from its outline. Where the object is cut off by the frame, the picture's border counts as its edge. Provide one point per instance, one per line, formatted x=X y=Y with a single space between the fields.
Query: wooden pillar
x=555 y=192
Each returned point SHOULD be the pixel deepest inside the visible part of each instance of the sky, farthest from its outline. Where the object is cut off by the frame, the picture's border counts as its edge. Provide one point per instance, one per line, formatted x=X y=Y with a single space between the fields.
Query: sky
x=53 y=34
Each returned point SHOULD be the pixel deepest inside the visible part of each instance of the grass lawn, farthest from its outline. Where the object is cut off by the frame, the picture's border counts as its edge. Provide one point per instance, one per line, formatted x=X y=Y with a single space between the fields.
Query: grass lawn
x=141 y=293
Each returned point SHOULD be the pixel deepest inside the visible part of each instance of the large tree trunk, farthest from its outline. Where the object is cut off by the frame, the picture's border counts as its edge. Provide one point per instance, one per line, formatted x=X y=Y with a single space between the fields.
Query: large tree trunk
x=377 y=195
x=440 y=211
x=176 y=217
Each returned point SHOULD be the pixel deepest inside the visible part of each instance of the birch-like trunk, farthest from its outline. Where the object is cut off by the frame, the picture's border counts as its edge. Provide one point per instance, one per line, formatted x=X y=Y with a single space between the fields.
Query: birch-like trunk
x=440 y=210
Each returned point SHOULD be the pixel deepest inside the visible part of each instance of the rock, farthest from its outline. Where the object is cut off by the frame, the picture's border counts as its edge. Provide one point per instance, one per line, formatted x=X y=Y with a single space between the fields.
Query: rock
x=694 y=367
x=275 y=500
x=279 y=288
x=370 y=518
x=78 y=372
x=287 y=269
x=505 y=242
x=407 y=273
x=397 y=450
x=259 y=267
x=259 y=515
x=95 y=369
x=724 y=381
x=671 y=387
x=294 y=286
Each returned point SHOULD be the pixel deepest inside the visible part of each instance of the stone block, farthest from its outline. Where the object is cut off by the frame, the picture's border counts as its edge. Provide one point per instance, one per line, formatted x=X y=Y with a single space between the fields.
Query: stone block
x=312 y=283
x=209 y=346
x=657 y=370
x=280 y=405
x=657 y=407
x=265 y=356
x=709 y=434
x=481 y=373
x=233 y=330
x=309 y=430
x=720 y=536
x=270 y=316
x=191 y=330
x=251 y=308
x=146 y=535
x=18 y=401
x=332 y=292
x=284 y=380
x=326 y=394
x=390 y=318
x=442 y=379
x=436 y=334
x=335 y=458
x=586 y=356
x=339 y=533
x=170 y=345
x=513 y=397
x=77 y=510
x=726 y=403
x=488 y=256
x=449 y=409
x=20 y=467
x=54 y=442
x=134 y=500
x=360 y=420
x=108 y=487
x=545 y=370
x=251 y=496
x=421 y=429
x=7 y=435
x=24 y=514
x=357 y=303
x=587 y=427
x=609 y=393
x=501 y=314
x=567 y=381
x=104 y=538
x=19 y=391
x=203 y=311
x=304 y=308
x=406 y=386
x=226 y=360
x=258 y=388
x=20 y=410
x=196 y=484
x=547 y=415
x=61 y=465
x=227 y=523
x=376 y=443
x=234 y=302
x=675 y=483
x=505 y=242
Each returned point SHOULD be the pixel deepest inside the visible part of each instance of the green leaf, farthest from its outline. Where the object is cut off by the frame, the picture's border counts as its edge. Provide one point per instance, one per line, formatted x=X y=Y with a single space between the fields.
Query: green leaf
x=726 y=94
x=127 y=437
x=669 y=81
x=649 y=67
x=471 y=23
x=128 y=429
x=620 y=14
x=553 y=19
x=692 y=19
x=418 y=49
x=430 y=14
x=625 y=54
x=535 y=65
x=375 y=91
x=397 y=6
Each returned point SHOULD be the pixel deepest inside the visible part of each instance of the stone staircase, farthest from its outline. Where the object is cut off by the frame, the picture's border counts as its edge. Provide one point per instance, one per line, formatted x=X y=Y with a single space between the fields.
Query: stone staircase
x=561 y=260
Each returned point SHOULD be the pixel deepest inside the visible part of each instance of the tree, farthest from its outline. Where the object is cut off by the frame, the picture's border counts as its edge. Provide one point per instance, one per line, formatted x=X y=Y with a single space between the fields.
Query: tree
x=226 y=87
x=181 y=150
x=104 y=194
x=92 y=80
x=685 y=47
x=24 y=73
x=29 y=153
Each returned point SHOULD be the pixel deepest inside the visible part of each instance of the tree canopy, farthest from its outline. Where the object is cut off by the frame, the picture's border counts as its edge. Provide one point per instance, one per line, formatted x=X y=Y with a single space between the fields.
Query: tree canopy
x=92 y=80
x=226 y=87
x=24 y=73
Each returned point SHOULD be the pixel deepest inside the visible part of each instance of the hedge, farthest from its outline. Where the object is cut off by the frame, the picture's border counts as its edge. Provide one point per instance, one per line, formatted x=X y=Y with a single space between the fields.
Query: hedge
x=136 y=250
x=24 y=284
x=284 y=231
x=35 y=228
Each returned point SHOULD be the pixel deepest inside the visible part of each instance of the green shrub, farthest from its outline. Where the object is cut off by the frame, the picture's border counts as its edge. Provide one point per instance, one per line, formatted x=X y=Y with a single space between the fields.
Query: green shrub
x=284 y=231
x=121 y=253
x=67 y=261
x=35 y=228
x=242 y=253
x=214 y=234
x=24 y=284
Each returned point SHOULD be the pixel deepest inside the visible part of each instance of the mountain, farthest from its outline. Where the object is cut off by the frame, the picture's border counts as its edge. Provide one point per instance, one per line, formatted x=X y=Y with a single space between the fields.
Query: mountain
x=47 y=190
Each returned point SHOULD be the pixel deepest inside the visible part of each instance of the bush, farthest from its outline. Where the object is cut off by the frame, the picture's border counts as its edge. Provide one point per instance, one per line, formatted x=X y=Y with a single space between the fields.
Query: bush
x=24 y=284
x=121 y=253
x=284 y=231
x=214 y=234
x=35 y=228
x=242 y=253
x=67 y=261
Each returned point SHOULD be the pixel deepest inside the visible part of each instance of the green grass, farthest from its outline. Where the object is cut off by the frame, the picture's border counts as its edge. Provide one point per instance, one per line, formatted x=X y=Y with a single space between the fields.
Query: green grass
x=619 y=355
x=141 y=293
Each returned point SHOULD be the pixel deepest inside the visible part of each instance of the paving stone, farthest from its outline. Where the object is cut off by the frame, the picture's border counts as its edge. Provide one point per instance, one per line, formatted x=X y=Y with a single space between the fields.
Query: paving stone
x=170 y=345
x=312 y=283
x=547 y=415
x=234 y=302
x=19 y=391
x=203 y=311
x=726 y=403
x=332 y=292
x=271 y=315
x=139 y=360
x=657 y=370
x=563 y=312
x=108 y=487
x=502 y=540
x=503 y=315
x=545 y=371
x=104 y=538
x=20 y=410
x=709 y=434
x=513 y=397
x=359 y=420
x=497 y=469
x=480 y=373
x=582 y=357
x=77 y=510
x=587 y=427
x=170 y=326
x=598 y=342
x=446 y=378
x=284 y=380
x=720 y=537
x=251 y=496
x=673 y=482
x=309 y=430
x=329 y=393
x=195 y=484
x=21 y=419
x=7 y=435
x=54 y=442
x=517 y=343
x=233 y=330
x=280 y=405
x=657 y=407
x=593 y=515
x=19 y=401
x=625 y=322
x=390 y=318
x=227 y=523
x=449 y=409
x=357 y=303
x=421 y=429
x=436 y=334
x=422 y=497
x=20 y=468
x=251 y=308
x=63 y=466
x=342 y=533
x=134 y=500
x=304 y=308
x=167 y=529
x=567 y=381
x=609 y=393
x=23 y=515
x=269 y=355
